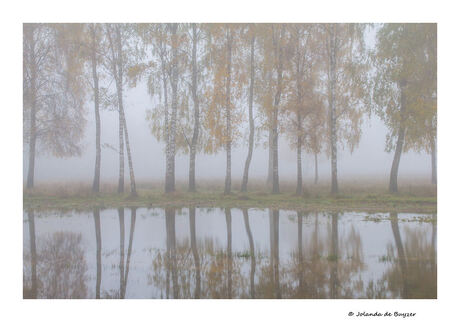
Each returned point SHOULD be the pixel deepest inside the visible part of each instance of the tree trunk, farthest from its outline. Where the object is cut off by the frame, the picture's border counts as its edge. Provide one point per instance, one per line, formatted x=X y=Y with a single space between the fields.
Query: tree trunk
x=251 y=247
x=244 y=184
x=97 y=166
x=399 y=143
x=32 y=143
x=170 y=184
x=196 y=257
x=332 y=112
x=130 y=162
x=29 y=33
x=97 y=225
x=270 y=158
x=434 y=176
x=228 y=132
x=279 y=79
x=121 y=148
x=196 y=110
x=276 y=187
x=121 y=112
x=316 y=168
x=299 y=162
x=167 y=132
x=298 y=75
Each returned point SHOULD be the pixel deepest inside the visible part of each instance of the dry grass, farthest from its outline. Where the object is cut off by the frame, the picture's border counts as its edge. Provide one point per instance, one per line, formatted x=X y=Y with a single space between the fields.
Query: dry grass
x=417 y=196
x=408 y=186
x=412 y=187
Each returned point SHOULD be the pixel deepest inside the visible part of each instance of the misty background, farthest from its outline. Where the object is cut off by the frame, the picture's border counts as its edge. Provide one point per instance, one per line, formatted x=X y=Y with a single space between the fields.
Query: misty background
x=368 y=160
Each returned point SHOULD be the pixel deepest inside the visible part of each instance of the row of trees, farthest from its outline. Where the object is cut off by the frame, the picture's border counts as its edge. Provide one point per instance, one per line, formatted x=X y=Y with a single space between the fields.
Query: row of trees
x=211 y=82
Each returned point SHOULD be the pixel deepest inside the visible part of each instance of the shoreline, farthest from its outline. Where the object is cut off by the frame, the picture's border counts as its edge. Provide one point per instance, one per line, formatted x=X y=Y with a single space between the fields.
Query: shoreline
x=362 y=202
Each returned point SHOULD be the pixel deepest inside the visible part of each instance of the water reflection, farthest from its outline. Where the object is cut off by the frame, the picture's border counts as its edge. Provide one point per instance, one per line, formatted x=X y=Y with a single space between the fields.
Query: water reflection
x=196 y=256
x=227 y=253
x=32 y=291
x=57 y=267
x=251 y=251
x=97 y=225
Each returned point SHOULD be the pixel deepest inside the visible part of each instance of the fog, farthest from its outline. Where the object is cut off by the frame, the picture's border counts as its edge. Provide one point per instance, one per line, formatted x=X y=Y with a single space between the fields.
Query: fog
x=368 y=160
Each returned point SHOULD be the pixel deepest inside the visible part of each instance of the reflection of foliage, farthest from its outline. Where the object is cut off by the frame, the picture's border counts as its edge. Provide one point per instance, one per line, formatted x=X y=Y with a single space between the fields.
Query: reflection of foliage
x=214 y=268
x=314 y=272
x=320 y=270
x=162 y=265
x=61 y=267
x=411 y=274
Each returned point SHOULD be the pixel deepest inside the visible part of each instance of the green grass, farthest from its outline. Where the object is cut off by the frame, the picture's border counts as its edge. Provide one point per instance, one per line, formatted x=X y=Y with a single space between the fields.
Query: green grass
x=371 y=198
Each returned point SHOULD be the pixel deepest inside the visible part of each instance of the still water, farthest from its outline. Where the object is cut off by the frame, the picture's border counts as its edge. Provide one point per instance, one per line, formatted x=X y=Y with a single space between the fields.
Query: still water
x=228 y=253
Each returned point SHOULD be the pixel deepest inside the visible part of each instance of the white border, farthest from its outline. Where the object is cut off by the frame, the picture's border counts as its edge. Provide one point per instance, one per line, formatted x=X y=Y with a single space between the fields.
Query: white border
x=12 y=17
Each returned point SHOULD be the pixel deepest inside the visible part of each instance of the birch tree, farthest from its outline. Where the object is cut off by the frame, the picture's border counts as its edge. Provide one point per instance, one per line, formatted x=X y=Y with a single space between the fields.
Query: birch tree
x=117 y=64
x=250 y=35
x=404 y=84
x=422 y=125
x=93 y=47
x=301 y=79
x=316 y=130
x=345 y=70
x=165 y=67
x=273 y=42
x=222 y=117
x=53 y=92
x=195 y=74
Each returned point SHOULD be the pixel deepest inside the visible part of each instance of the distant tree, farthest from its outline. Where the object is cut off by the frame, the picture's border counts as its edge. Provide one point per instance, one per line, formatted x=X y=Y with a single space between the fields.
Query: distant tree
x=273 y=44
x=301 y=82
x=92 y=45
x=165 y=65
x=195 y=75
x=53 y=91
x=173 y=79
x=155 y=66
x=196 y=109
x=345 y=70
x=422 y=126
x=405 y=88
x=316 y=127
x=250 y=37
x=117 y=63
x=222 y=116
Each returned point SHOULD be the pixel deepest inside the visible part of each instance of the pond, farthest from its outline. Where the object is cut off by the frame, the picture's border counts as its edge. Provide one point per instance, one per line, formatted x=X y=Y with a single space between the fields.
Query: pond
x=228 y=253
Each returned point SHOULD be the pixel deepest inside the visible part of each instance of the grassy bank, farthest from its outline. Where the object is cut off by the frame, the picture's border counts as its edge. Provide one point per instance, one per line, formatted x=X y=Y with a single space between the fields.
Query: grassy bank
x=370 y=197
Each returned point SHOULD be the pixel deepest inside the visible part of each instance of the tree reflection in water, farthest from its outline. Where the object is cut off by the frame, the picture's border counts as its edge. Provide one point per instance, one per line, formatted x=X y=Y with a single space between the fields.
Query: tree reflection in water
x=324 y=259
x=252 y=251
x=31 y=292
x=412 y=271
x=196 y=256
x=97 y=225
x=58 y=266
